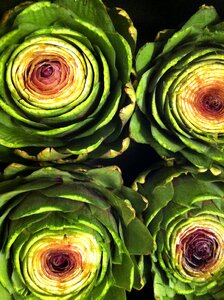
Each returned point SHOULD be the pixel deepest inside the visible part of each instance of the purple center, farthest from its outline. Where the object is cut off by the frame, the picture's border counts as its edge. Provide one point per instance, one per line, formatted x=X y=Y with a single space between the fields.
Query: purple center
x=200 y=249
x=46 y=70
x=213 y=103
x=59 y=262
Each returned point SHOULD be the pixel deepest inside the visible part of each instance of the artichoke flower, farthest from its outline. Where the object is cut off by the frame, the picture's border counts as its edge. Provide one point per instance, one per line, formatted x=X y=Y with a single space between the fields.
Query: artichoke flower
x=186 y=220
x=70 y=233
x=65 y=88
x=180 y=93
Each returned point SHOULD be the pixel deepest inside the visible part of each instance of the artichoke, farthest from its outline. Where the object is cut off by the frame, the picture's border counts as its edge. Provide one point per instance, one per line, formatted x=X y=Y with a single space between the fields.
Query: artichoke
x=186 y=220
x=70 y=233
x=65 y=88
x=180 y=93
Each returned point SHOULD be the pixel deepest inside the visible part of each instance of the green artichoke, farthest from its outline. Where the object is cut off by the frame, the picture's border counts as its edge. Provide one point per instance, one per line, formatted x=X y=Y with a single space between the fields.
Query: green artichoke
x=70 y=233
x=65 y=88
x=180 y=93
x=185 y=217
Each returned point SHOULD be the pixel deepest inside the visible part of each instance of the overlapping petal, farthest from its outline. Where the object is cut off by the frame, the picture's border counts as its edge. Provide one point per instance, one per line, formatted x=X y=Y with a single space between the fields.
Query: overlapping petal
x=65 y=80
x=185 y=217
x=180 y=91
x=70 y=233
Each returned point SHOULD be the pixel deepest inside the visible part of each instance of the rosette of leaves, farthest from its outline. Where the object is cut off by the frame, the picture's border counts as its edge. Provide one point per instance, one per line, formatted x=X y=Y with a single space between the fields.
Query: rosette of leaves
x=70 y=233
x=180 y=93
x=65 y=80
x=186 y=220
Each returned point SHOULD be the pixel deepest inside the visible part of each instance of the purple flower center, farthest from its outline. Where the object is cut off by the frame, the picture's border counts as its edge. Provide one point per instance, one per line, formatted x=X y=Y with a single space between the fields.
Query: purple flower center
x=46 y=70
x=212 y=103
x=59 y=262
x=199 y=249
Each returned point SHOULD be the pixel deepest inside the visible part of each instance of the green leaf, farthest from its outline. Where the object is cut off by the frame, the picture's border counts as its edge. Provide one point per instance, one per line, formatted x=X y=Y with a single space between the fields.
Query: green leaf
x=16 y=137
x=77 y=191
x=93 y=12
x=181 y=287
x=162 y=290
x=5 y=294
x=127 y=268
x=138 y=239
x=42 y=14
x=165 y=139
x=104 y=117
x=159 y=198
x=138 y=202
x=109 y=177
x=145 y=56
x=196 y=191
x=52 y=174
x=12 y=37
x=18 y=285
x=16 y=114
x=36 y=203
x=115 y=293
x=140 y=128
x=197 y=159
x=124 y=25
x=105 y=217
x=14 y=169
x=142 y=89
x=141 y=271
x=101 y=289
x=124 y=55
x=18 y=226
x=4 y=275
x=89 y=143
x=111 y=150
x=159 y=176
x=205 y=16
x=20 y=187
x=179 y=38
x=208 y=150
x=174 y=213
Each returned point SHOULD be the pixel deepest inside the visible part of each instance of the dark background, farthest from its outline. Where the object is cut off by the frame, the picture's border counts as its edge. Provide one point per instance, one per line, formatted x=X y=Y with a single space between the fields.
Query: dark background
x=149 y=17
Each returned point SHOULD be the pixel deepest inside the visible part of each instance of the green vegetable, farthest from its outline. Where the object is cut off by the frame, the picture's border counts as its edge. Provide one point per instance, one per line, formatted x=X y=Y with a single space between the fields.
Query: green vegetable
x=185 y=217
x=180 y=93
x=70 y=233
x=65 y=90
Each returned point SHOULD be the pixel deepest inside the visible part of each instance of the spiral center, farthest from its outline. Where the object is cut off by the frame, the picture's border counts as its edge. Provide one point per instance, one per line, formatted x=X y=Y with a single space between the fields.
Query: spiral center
x=46 y=70
x=212 y=103
x=47 y=76
x=200 y=100
x=199 y=249
x=60 y=262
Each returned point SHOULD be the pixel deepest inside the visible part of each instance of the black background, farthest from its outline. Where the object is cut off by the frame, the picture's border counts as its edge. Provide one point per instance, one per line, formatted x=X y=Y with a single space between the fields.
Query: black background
x=149 y=17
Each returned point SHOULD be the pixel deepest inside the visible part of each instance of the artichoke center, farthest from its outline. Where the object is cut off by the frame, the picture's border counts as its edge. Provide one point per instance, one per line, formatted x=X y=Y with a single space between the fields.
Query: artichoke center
x=60 y=262
x=200 y=100
x=46 y=70
x=213 y=103
x=50 y=74
x=47 y=75
x=199 y=250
